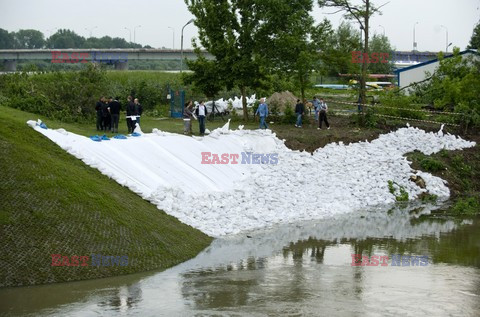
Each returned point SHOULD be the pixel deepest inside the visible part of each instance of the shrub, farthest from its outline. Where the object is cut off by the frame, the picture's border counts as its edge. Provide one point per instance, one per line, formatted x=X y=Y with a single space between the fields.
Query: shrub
x=466 y=206
x=289 y=116
x=431 y=165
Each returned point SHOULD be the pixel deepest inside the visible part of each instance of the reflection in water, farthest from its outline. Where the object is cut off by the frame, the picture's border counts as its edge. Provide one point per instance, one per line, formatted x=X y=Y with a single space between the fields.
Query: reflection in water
x=297 y=269
x=123 y=298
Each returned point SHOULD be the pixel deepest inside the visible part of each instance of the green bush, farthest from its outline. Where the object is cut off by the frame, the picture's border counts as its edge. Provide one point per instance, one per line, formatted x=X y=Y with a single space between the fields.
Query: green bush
x=65 y=96
x=370 y=120
x=466 y=206
x=431 y=165
x=399 y=106
x=289 y=116
x=70 y=96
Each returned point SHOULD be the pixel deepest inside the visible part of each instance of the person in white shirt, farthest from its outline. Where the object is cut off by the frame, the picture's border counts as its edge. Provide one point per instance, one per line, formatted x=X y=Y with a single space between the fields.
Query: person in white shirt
x=201 y=113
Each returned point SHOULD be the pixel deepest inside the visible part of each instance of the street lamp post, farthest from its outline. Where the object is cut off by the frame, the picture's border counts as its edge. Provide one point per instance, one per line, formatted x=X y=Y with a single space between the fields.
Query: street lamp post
x=382 y=28
x=181 y=44
x=91 y=29
x=134 y=40
x=130 y=31
x=414 y=42
x=446 y=41
x=173 y=38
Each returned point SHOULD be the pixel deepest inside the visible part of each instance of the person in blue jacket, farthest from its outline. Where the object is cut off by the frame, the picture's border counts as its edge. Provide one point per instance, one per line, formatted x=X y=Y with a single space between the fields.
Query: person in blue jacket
x=262 y=111
x=316 y=107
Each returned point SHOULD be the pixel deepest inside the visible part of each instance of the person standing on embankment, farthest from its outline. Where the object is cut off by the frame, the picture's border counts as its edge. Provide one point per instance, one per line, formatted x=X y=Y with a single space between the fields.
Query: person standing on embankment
x=262 y=111
x=187 y=117
x=98 y=109
x=115 y=107
x=131 y=115
x=323 y=114
x=138 y=110
x=299 y=110
x=201 y=113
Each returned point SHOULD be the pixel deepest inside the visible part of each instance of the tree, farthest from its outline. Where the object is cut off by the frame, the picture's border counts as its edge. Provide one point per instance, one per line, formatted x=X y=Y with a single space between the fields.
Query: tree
x=336 y=53
x=64 y=38
x=292 y=52
x=229 y=30
x=7 y=40
x=205 y=75
x=475 y=40
x=381 y=44
x=360 y=13
x=29 y=39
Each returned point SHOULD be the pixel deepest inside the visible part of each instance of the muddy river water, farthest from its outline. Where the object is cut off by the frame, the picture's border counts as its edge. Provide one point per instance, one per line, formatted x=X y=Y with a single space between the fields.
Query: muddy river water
x=300 y=269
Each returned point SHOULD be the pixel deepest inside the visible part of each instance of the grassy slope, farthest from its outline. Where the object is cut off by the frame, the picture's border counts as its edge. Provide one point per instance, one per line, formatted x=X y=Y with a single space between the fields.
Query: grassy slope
x=52 y=203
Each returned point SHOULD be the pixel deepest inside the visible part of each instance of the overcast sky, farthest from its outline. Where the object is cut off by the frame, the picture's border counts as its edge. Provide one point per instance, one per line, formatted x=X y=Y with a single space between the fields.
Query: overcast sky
x=111 y=17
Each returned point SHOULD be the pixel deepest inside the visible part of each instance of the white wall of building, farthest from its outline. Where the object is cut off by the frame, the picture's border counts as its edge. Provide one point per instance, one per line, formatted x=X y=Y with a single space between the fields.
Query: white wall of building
x=417 y=74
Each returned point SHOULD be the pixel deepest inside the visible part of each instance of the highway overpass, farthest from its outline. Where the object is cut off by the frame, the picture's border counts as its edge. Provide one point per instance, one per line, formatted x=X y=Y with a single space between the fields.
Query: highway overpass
x=120 y=57
x=117 y=57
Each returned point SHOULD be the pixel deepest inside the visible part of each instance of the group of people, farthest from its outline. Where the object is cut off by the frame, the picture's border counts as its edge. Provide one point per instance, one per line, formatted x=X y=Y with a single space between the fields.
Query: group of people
x=189 y=113
x=108 y=113
x=319 y=105
x=320 y=108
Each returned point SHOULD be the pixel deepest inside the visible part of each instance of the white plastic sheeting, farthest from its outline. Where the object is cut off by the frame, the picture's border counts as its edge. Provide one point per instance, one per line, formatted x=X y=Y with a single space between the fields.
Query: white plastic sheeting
x=223 y=105
x=221 y=199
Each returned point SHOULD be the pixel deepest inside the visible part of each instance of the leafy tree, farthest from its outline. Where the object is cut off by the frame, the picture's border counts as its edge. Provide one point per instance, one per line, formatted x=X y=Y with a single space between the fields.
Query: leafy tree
x=475 y=40
x=29 y=39
x=381 y=44
x=360 y=13
x=64 y=38
x=249 y=38
x=228 y=29
x=337 y=52
x=205 y=76
x=454 y=86
x=7 y=40
x=293 y=50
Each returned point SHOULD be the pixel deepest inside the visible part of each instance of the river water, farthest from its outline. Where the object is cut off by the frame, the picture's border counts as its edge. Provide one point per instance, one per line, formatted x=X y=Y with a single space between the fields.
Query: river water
x=301 y=269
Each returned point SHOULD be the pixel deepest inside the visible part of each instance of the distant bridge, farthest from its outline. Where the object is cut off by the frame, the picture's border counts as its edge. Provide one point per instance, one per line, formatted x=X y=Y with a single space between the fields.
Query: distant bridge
x=121 y=57
x=116 y=56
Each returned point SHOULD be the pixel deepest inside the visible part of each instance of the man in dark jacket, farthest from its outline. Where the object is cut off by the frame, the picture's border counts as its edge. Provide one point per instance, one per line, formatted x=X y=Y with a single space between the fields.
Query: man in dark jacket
x=107 y=118
x=299 y=110
x=131 y=115
x=201 y=113
x=115 y=108
x=98 y=109
x=138 y=109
